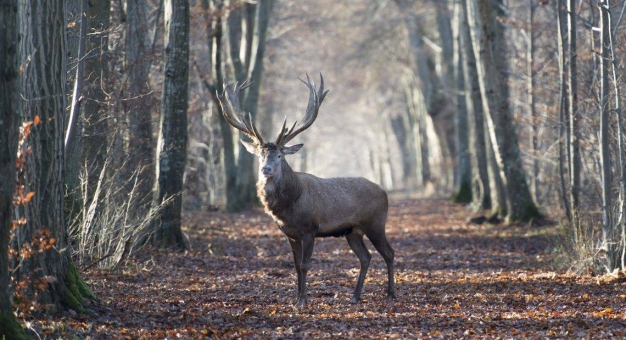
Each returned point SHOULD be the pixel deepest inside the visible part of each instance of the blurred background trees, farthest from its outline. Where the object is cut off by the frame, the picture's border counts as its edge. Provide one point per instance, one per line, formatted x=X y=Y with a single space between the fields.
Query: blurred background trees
x=463 y=98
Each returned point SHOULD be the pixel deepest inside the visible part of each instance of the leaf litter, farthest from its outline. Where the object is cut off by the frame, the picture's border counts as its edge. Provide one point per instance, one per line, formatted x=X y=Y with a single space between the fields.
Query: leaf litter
x=454 y=280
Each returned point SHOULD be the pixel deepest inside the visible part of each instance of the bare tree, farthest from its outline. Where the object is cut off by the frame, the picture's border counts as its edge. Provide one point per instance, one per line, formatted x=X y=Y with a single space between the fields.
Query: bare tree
x=171 y=153
x=138 y=103
x=43 y=87
x=488 y=43
x=563 y=102
x=247 y=29
x=463 y=178
x=573 y=129
x=9 y=124
x=610 y=240
x=481 y=193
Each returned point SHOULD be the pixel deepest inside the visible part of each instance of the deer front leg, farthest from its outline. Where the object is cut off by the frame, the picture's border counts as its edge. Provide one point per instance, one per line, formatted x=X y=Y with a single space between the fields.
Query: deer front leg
x=296 y=248
x=306 y=247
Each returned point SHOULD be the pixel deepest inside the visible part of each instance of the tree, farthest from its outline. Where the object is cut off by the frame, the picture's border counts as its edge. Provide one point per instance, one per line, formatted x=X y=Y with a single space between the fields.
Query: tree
x=610 y=239
x=138 y=106
x=573 y=129
x=255 y=19
x=171 y=153
x=42 y=241
x=488 y=42
x=463 y=178
x=9 y=123
x=474 y=107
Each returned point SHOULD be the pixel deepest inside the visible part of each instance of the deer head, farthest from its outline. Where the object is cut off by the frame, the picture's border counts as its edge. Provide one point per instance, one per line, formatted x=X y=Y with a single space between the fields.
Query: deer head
x=271 y=154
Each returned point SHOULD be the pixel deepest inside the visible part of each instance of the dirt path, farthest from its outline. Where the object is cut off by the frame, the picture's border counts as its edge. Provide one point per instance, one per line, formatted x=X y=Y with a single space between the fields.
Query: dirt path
x=454 y=281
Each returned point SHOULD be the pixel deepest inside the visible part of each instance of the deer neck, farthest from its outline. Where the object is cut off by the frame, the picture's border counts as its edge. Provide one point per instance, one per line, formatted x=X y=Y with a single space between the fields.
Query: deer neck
x=279 y=194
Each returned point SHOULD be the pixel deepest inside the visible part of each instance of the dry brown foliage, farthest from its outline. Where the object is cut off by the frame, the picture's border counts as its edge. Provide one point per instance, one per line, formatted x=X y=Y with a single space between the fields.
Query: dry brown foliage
x=454 y=281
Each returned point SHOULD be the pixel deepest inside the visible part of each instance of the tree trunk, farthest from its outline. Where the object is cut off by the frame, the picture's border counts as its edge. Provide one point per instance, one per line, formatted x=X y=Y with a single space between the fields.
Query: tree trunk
x=463 y=173
x=171 y=153
x=489 y=45
x=562 y=110
x=610 y=240
x=139 y=104
x=255 y=20
x=621 y=207
x=43 y=85
x=402 y=131
x=482 y=195
x=573 y=130
x=9 y=130
x=534 y=122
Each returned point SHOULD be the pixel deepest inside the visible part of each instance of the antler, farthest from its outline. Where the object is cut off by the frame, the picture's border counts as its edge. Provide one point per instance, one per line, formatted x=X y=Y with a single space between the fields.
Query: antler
x=315 y=100
x=232 y=111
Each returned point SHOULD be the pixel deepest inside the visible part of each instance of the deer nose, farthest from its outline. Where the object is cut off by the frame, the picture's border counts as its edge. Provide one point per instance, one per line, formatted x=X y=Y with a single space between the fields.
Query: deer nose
x=266 y=170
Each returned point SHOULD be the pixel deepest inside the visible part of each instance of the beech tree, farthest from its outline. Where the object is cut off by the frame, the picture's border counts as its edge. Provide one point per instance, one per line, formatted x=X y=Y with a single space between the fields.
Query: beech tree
x=41 y=239
x=171 y=153
x=9 y=124
x=488 y=44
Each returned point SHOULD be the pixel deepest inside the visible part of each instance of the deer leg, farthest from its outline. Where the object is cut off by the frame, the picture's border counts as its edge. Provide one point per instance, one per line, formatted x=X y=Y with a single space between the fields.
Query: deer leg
x=307 y=251
x=296 y=248
x=355 y=240
x=381 y=244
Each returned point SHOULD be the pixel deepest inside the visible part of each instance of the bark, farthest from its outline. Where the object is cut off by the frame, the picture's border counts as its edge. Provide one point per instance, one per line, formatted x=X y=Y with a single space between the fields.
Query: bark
x=9 y=129
x=562 y=110
x=573 y=129
x=43 y=87
x=489 y=45
x=402 y=132
x=609 y=235
x=172 y=143
x=416 y=109
x=534 y=120
x=139 y=104
x=463 y=173
x=482 y=195
x=620 y=143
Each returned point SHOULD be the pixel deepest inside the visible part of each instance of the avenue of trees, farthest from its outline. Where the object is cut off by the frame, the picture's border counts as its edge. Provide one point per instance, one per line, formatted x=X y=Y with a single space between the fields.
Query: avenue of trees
x=110 y=128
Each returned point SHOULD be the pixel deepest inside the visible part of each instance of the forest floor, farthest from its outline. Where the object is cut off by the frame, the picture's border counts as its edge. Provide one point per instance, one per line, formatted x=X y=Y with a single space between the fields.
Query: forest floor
x=454 y=280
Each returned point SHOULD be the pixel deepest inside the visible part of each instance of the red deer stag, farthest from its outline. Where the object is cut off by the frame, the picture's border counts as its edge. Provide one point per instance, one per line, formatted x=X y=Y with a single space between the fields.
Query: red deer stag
x=305 y=206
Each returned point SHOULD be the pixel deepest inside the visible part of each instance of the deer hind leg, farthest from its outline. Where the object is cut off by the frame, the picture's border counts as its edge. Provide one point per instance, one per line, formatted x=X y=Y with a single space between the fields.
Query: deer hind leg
x=379 y=240
x=355 y=240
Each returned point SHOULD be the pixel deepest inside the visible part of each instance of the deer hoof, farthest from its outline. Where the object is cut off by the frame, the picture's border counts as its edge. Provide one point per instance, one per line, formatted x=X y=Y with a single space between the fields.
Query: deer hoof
x=354 y=300
x=300 y=303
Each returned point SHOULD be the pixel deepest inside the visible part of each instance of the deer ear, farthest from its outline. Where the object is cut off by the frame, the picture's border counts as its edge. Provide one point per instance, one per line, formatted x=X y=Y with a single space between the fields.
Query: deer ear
x=290 y=150
x=251 y=147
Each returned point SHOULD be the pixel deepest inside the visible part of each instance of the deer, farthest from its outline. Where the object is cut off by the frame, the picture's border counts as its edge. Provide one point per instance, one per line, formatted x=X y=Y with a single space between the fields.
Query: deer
x=305 y=206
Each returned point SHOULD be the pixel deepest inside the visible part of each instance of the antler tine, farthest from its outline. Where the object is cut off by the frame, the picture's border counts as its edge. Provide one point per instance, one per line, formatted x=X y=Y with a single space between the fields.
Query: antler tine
x=232 y=111
x=282 y=132
x=315 y=101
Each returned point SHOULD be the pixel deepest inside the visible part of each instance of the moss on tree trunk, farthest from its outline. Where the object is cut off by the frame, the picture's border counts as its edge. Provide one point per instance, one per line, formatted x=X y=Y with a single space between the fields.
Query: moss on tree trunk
x=464 y=195
x=10 y=328
x=76 y=291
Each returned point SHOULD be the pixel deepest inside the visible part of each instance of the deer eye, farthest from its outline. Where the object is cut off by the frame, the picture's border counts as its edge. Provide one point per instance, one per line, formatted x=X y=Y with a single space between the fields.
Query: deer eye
x=279 y=156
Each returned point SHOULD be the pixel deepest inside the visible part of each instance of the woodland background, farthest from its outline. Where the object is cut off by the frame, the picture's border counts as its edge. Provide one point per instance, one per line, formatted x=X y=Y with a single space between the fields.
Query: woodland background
x=108 y=109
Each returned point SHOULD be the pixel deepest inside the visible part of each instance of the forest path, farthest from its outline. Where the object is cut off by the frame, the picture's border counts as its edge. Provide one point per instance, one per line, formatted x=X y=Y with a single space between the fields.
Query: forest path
x=454 y=280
